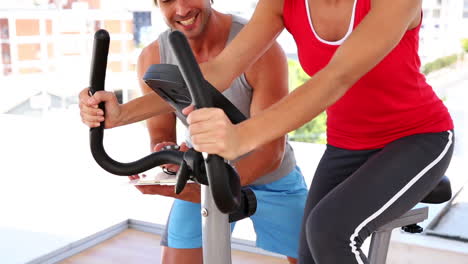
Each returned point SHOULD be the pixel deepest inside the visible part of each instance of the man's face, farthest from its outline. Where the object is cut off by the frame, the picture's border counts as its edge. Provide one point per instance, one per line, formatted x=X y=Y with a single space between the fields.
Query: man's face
x=188 y=16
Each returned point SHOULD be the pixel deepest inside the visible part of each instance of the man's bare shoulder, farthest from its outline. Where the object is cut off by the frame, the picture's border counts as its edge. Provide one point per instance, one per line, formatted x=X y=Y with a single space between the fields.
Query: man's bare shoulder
x=272 y=66
x=150 y=53
x=148 y=56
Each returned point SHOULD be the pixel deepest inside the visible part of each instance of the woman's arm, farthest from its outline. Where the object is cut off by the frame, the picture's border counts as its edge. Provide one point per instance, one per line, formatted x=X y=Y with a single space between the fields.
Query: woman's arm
x=378 y=33
x=251 y=43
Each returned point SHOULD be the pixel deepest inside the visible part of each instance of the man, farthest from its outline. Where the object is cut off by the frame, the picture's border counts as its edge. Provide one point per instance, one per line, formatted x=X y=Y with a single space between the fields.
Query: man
x=270 y=170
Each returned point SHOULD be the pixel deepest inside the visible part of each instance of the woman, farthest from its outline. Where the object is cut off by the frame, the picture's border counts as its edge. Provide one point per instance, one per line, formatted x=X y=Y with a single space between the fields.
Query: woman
x=390 y=138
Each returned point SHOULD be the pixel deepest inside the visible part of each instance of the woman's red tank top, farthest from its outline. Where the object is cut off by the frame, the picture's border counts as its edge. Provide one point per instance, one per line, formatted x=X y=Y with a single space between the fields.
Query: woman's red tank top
x=391 y=101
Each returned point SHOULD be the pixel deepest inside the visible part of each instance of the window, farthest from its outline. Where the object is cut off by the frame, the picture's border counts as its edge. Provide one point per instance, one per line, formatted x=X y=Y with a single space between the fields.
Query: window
x=4 y=29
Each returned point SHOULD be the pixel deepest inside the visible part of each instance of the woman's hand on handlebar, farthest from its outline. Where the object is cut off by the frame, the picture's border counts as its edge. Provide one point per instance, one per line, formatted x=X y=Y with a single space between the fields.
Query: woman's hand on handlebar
x=212 y=132
x=92 y=115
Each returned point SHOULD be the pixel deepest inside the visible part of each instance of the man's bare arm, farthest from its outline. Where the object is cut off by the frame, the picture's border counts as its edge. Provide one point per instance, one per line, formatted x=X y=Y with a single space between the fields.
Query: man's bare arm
x=269 y=80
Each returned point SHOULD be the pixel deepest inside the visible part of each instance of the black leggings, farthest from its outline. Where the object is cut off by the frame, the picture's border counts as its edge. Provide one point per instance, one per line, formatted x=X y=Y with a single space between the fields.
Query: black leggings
x=355 y=192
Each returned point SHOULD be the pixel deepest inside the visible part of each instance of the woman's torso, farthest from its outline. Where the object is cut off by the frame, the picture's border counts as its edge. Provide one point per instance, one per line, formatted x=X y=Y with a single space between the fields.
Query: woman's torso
x=391 y=101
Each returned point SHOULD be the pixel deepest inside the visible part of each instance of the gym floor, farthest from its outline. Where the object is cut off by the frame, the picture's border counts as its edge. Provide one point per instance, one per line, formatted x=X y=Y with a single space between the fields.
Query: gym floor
x=133 y=246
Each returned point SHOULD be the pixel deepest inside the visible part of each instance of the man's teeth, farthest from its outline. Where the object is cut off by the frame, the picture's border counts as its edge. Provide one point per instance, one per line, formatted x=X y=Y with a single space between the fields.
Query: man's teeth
x=188 y=21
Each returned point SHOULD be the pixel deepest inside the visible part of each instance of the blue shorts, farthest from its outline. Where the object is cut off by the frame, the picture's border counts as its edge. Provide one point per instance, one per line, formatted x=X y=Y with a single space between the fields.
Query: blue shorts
x=277 y=221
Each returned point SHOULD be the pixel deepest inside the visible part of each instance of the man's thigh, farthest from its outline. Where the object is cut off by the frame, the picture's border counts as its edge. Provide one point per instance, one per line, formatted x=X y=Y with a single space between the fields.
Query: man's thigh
x=183 y=228
x=280 y=207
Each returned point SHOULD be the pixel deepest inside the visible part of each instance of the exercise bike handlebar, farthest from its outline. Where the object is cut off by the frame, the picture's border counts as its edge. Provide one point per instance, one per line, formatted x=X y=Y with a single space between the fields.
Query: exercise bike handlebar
x=224 y=183
x=223 y=180
x=97 y=80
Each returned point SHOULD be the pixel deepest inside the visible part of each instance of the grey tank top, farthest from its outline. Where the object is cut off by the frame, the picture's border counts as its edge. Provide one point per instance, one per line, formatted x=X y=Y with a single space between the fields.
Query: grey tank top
x=240 y=94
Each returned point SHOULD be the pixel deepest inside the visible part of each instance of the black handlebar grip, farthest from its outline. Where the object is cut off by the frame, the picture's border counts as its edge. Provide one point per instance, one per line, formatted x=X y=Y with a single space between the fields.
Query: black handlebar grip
x=99 y=64
x=224 y=185
x=189 y=69
x=96 y=134
x=131 y=168
x=182 y=176
x=99 y=61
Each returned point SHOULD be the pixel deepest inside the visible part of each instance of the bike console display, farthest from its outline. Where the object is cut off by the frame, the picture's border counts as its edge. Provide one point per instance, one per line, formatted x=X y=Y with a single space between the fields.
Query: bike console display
x=166 y=80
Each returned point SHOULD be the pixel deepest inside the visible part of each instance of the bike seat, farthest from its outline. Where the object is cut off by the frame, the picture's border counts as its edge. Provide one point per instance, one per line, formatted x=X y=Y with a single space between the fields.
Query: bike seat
x=441 y=193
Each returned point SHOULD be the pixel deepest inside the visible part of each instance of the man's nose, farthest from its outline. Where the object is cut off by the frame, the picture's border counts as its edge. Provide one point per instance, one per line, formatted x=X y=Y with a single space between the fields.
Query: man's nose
x=182 y=8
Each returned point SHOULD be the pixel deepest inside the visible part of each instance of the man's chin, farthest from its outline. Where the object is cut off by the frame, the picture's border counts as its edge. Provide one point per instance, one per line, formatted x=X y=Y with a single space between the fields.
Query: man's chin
x=190 y=34
x=193 y=32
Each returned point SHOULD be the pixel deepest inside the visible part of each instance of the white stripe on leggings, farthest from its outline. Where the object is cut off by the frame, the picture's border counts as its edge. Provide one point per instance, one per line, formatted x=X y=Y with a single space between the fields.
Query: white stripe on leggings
x=394 y=198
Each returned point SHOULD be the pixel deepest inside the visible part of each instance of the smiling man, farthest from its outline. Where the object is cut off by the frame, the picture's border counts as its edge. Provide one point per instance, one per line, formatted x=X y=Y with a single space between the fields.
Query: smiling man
x=270 y=171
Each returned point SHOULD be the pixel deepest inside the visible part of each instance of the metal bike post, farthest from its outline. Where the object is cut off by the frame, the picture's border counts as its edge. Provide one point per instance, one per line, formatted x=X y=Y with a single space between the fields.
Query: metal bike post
x=216 y=231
